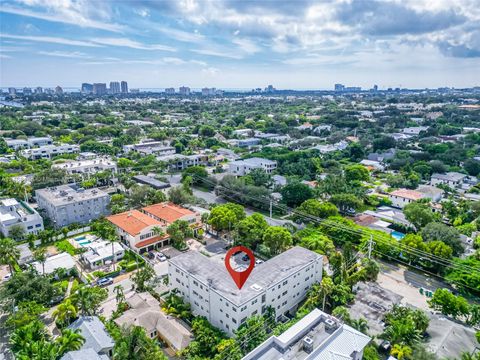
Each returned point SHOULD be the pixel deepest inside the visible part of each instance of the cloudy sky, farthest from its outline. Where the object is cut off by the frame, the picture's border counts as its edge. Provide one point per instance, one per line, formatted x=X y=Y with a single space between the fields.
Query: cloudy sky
x=297 y=44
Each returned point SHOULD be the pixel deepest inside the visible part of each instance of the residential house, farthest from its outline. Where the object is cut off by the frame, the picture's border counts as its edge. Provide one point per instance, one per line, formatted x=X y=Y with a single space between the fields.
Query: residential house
x=98 y=343
x=144 y=311
x=402 y=197
x=452 y=179
x=99 y=253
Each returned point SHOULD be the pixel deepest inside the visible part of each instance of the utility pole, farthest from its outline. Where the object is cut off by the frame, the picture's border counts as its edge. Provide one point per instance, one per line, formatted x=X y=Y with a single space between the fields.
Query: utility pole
x=370 y=246
x=271 y=207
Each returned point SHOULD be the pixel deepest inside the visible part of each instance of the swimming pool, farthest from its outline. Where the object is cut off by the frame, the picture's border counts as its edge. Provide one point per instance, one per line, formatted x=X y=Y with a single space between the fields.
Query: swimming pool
x=84 y=240
x=397 y=235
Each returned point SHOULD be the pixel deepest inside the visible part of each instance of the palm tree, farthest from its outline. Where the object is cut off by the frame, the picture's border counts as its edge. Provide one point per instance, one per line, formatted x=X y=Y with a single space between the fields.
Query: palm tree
x=9 y=254
x=360 y=325
x=132 y=344
x=70 y=340
x=40 y=255
x=119 y=295
x=401 y=352
x=31 y=333
x=65 y=312
x=326 y=289
x=107 y=232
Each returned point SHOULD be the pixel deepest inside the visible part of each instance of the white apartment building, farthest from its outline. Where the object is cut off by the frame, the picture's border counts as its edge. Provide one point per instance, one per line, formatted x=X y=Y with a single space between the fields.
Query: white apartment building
x=151 y=147
x=281 y=283
x=90 y=166
x=243 y=167
x=31 y=142
x=68 y=204
x=49 y=151
x=13 y=212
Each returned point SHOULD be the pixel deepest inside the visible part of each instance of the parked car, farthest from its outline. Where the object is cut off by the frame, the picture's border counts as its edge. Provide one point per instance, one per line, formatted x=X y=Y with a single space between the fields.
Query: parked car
x=6 y=277
x=105 y=281
x=258 y=261
x=161 y=256
x=151 y=255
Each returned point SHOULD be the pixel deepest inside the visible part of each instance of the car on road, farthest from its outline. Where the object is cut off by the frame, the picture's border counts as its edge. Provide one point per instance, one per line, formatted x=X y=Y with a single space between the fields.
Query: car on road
x=258 y=261
x=6 y=277
x=161 y=256
x=105 y=281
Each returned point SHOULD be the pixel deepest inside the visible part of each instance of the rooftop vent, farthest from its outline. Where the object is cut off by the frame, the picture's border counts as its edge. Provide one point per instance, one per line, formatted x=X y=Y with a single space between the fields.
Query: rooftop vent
x=308 y=344
x=330 y=324
x=256 y=287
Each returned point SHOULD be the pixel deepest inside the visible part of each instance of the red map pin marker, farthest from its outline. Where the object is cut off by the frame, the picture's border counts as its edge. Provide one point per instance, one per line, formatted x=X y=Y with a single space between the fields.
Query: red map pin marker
x=240 y=277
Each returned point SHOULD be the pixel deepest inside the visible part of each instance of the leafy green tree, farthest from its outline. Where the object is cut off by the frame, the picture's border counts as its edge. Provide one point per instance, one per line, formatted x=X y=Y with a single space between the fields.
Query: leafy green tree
x=207 y=339
x=405 y=326
x=197 y=173
x=449 y=304
x=88 y=299
x=65 y=313
x=277 y=239
x=3 y=146
x=447 y=234
x=224 y=217
x=28 y=286
x=251 y=333
x=179 y=231
x=133 y=343
x=346 y=202
x=250 y=230
x=462 y=276
x=25 y=313
x=370 y=353
x=258 y=177
x=142 y=277
x=315 y=208
x=356 y=172
x=16 y=232
x=228 y=349
x=180 y=196
x=295 y=193
x=472 y=167
x=419 y=214
x=314 y=240
x=9 y=253
x=401 y=352
x=174 y=305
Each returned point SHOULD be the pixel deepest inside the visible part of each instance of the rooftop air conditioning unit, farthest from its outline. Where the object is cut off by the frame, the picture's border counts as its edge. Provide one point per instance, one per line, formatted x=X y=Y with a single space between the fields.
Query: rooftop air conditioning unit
x=308 y=344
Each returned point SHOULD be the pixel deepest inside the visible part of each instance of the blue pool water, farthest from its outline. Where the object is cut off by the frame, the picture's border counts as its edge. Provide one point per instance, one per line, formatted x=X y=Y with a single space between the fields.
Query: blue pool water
x=397 y=235
x=82 y=240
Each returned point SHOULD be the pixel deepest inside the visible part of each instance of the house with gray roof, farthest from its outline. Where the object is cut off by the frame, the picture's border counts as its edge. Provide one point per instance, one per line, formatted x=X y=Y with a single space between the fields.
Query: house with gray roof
x=452 y=179
x=97 y=340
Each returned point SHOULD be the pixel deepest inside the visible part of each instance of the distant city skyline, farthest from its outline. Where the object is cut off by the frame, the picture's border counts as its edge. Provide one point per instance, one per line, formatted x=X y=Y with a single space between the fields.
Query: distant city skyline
x=231 y=44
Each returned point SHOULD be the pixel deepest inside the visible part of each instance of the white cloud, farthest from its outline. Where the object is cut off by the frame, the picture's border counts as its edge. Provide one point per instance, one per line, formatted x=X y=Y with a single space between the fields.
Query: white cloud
x=180 y=35
x=125 y=42
x=65 y=54
x=246 y=45
x=50 y=39
x=63 y=12
x=142 y=12
x=224 y=54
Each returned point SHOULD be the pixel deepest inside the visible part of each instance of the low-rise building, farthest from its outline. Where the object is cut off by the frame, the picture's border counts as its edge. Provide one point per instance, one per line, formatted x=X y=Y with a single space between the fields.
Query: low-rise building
x=243 y=167
x=248 y=142
x=98 y=343
x=60 y=261
x=150 y=181
x=139 y=231
x=50 y=151
x=179 y=162
x=280 y=283
x=402 y=197
x=91 y=166
x=144 y=311
x=19 y=213
x=68 y=204
x=317 y=336
x=151 y=147
x=146 y=229
x=31 y=142
x=100 y=253
x=452 y=179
